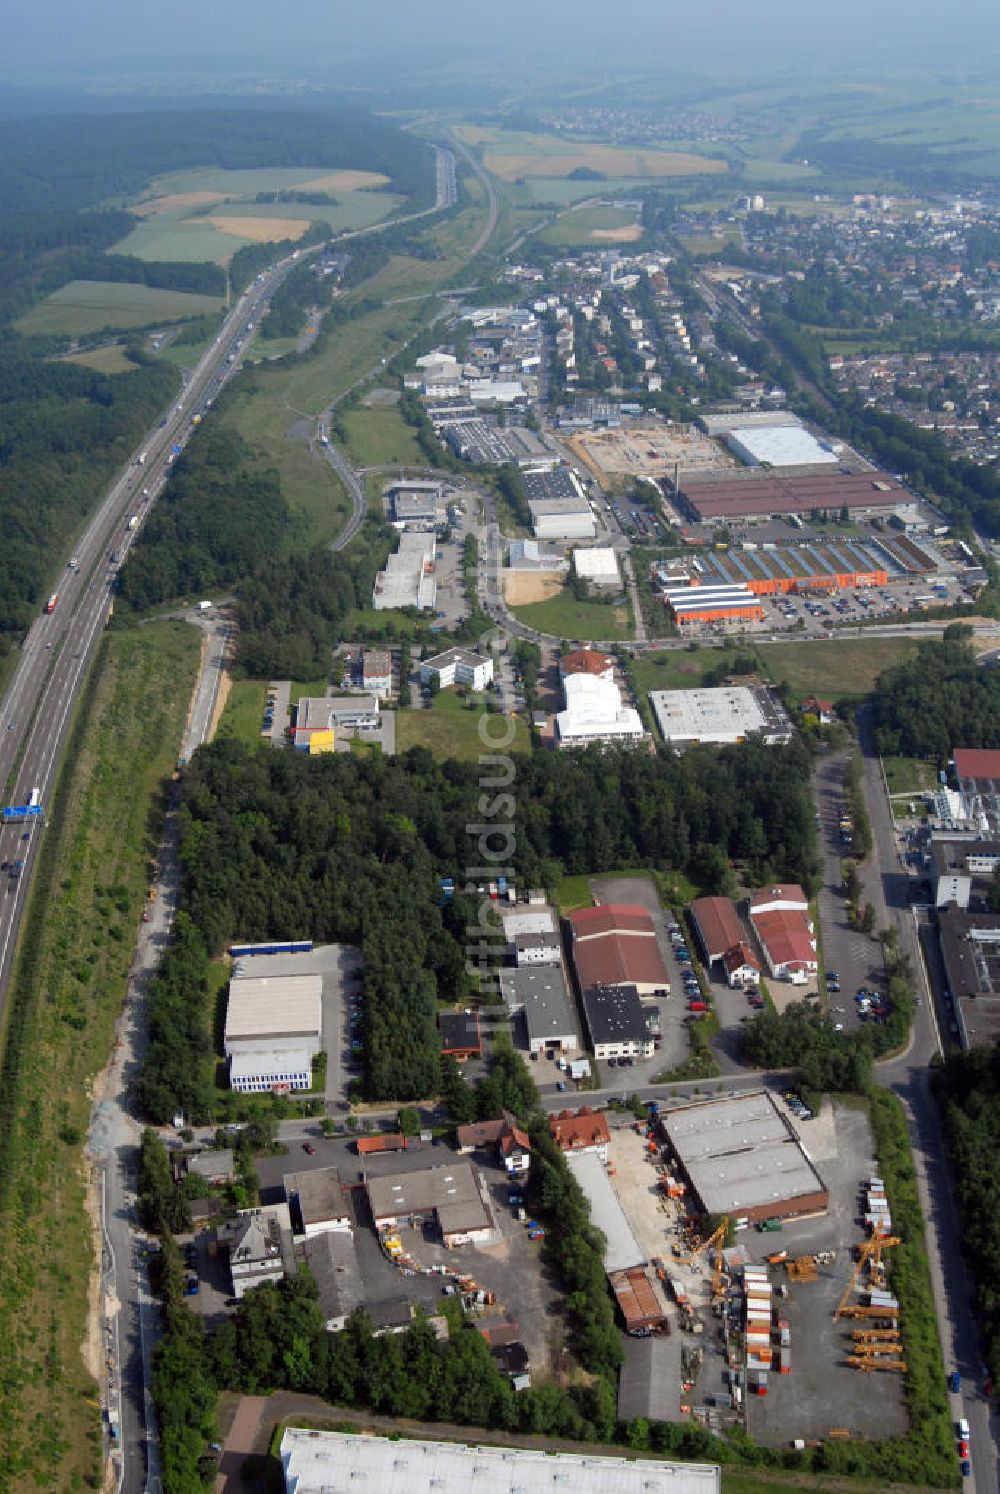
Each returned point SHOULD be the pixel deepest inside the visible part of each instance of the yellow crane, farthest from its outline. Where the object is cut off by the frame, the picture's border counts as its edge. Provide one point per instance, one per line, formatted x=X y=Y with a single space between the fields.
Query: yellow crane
x=717 y=1237
x=870 y=1254
x=869 y=1366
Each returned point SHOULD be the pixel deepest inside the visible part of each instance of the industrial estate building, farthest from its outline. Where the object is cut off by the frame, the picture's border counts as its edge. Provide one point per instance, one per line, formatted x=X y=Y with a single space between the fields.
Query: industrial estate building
x=970 y=950
x=785 y=932
x=699 y=604
x=319 y=718
x=562 y=518
x=723 y=940
x=741 y=1157
x=720 y=716
x=978 y=773
x=316 y=1201
x=273 y=1030
x=779 y=446
x=458 y=666
x=539 y=991
x=452 y=1195
x=615 y=944
x=713 y=496
x=961 y=867
x=415 y=504
x=594 y=713
x=313 y=1461
x=598 y=566
x=618 y=1024
x=408 y=579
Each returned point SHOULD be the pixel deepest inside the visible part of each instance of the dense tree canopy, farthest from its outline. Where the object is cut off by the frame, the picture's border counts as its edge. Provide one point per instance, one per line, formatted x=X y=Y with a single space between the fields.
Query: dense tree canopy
x=936 y=701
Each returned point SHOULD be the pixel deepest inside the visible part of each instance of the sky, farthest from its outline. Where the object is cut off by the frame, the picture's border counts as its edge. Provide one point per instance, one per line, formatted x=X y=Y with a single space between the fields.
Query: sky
x=331 y=41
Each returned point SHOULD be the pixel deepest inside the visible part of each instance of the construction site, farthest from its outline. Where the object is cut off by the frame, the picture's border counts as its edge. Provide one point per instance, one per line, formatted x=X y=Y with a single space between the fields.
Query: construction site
x=649 y=451
x=788 y=1326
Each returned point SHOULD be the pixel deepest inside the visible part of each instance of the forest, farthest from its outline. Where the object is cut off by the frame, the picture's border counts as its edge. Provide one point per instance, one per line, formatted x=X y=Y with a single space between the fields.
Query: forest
x=968 y=1091
x=351 y=848
x=938 y=700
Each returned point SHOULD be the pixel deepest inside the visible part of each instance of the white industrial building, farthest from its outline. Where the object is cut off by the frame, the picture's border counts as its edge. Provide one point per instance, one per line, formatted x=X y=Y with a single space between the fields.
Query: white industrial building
x=416 y=502
x=562 y=518
x=719 y=716
x=598 y=566
x=408 y=579
x=458 y=666
x=529 y=555
x=332 y=1462
x=273 y=1030
x=594 y=713
x=779 y=446
x=324 y=713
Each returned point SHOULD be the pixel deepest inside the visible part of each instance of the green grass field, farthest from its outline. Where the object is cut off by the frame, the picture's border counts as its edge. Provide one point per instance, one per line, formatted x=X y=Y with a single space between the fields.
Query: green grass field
x=244 y=711
x=107 y=360
x=908 y=775
x=565 y=617
x=379 y=435
x=832 y=667
x=675 y=668
x=450 y=728
x=599 y=223
x=67 y=991
x=85 y=306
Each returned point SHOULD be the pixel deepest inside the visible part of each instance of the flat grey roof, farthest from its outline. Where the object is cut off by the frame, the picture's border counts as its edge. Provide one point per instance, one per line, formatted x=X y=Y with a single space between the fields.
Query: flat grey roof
x=741 y=1153
x=622 y=1249
x=269 y=1006
x=541 y=991
x=320 y=1194
x=337 y=1462
x=451 y=1191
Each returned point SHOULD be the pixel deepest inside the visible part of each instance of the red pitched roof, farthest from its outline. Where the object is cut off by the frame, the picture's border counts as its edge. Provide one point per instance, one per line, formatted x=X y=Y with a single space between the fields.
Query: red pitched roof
x=585 y=661
x=786 y=937
x=618 y=961
x=783 y=892
x=718 y=924
x=740 y=954
x=572 y=1132
x=977 y=762
x=610 y=918
x=394 y=1142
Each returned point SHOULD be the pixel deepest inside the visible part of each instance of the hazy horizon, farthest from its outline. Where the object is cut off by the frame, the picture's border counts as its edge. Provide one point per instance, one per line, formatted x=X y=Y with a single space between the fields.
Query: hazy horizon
x=321 y=45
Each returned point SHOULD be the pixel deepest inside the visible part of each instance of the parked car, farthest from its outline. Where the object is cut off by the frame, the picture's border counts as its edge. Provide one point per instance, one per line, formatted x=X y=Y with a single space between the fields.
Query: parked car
x=309 y=1149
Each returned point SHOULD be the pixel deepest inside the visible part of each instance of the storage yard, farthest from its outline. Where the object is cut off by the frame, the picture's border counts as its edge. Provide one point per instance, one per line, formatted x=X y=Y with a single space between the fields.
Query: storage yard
x=782 y=1314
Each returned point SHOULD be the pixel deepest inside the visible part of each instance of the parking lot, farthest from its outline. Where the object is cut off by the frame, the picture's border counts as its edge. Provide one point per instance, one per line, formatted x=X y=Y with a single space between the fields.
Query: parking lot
x=854 y=956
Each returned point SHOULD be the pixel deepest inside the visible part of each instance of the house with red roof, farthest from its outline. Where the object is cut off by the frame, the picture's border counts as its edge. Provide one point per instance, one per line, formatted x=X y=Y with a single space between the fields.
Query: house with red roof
x=587 y=661
x=584 y=1130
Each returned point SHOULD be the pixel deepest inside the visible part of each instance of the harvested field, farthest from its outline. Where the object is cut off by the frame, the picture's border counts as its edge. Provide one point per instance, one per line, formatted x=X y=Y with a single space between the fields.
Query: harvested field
x=173 y=201
x=343 y=181
x=523 y=587
x=604 y=158
x=261 y=230
x=626 y=235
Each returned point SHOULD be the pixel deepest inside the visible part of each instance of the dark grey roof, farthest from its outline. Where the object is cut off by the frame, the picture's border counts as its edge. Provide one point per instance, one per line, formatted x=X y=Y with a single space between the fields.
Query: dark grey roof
x=614 y=1014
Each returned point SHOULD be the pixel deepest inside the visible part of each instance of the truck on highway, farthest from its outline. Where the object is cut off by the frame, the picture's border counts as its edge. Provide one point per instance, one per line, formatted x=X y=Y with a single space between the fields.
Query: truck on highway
x=140 y=460
x=52 y=603
x=133 y=523
x=34 y=798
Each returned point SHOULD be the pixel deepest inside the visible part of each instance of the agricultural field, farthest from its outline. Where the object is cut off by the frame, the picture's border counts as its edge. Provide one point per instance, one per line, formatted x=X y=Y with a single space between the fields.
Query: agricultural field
x=449 y=727
x=66 y=994
x=208 y=215
x=599 y=223
x=83 y=307
x=513 y=154
x=564 y=617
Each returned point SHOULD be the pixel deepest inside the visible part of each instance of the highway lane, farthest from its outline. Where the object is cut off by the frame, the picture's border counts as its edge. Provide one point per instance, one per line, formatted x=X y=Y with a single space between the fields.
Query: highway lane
x=36 y=713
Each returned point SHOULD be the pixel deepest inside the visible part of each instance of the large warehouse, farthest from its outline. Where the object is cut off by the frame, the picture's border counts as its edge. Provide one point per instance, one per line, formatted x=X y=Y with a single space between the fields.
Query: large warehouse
x=743 y=497
x=708 y=604
x=778 y=446
x=741 y=1158
x=720 y=716
x=562 y=518
x=615 y=944
x=337 y=1461
x=273 y=1030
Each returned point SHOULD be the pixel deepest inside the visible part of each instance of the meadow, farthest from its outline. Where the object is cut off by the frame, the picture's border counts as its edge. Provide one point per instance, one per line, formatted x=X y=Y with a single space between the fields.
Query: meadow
x=511 y=154
x=601 y=222
x=83 y=307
